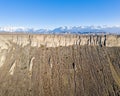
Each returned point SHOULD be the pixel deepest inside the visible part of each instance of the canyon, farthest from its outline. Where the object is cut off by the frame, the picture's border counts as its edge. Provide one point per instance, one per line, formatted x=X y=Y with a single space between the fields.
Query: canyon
x=59 y=65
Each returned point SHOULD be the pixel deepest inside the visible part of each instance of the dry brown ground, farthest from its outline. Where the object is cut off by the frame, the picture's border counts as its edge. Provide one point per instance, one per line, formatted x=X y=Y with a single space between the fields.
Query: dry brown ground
x=61 y=71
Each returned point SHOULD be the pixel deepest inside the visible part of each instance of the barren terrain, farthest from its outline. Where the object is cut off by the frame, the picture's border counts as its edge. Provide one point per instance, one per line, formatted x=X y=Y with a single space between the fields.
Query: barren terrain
x=59 y=65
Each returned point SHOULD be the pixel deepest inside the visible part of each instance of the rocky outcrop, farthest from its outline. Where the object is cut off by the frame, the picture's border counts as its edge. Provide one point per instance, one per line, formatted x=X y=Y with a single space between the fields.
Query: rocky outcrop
x=58 y=40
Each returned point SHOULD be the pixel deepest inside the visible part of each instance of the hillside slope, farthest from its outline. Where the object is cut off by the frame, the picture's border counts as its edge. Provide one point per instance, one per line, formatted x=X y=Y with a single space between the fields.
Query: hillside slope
x=69 y=70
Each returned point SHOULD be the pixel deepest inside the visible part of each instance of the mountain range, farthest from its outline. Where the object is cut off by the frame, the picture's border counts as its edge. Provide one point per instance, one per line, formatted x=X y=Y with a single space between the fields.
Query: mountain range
x=63 y=30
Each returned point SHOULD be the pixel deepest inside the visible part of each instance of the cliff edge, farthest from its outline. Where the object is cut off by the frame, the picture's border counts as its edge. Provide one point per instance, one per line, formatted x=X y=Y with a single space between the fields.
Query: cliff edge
x=23 y=40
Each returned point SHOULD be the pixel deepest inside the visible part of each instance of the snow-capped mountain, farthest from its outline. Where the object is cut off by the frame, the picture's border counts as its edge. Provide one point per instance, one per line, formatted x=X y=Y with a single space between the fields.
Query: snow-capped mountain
x=65 y=29
x=88 y=29
x=16 y=29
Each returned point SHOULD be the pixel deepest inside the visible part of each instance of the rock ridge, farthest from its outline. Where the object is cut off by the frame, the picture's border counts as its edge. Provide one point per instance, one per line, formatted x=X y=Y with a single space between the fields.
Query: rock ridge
x=23 y=40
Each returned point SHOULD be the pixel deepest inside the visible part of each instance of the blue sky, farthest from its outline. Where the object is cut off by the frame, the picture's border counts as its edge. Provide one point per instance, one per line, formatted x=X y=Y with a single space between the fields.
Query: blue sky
x=55 y=13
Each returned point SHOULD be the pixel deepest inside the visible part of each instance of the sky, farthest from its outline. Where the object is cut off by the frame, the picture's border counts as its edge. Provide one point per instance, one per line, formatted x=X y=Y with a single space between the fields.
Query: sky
x=56 y=13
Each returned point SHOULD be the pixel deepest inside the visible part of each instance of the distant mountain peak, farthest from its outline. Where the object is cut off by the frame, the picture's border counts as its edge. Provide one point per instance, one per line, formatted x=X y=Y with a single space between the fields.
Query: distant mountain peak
x=66 y=29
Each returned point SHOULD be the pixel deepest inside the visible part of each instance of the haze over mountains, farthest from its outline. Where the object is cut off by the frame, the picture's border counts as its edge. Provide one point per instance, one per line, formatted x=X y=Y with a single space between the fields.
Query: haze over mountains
x=61 y=30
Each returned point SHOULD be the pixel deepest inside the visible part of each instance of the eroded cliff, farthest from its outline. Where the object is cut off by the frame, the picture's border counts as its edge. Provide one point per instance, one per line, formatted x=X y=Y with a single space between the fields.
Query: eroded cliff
x=59 y=65
x=6 y=41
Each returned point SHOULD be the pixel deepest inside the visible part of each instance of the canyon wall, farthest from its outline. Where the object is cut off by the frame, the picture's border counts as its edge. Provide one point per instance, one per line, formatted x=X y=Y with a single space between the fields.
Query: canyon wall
x=59 y=65
x=58 y=40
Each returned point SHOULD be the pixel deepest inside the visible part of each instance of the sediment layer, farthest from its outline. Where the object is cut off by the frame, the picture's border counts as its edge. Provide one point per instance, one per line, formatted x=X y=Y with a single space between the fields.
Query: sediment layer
x=23 y=40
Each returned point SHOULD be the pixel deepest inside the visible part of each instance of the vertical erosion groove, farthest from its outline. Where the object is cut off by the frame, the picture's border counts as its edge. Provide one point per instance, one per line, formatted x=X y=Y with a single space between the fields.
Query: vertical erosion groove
x=31 y=64
x=104 y=40
x=73 y=65
x=113 y=71
x=11 y=71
